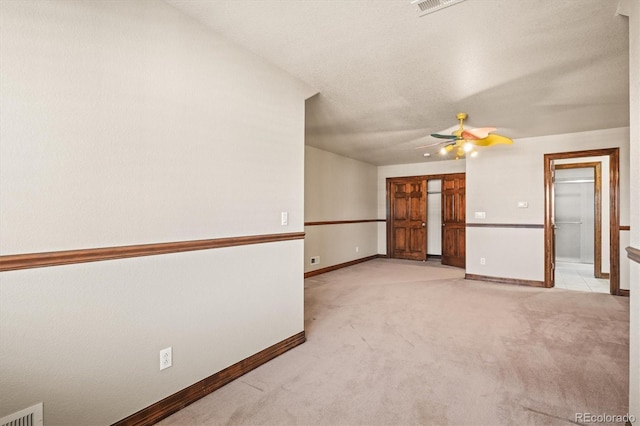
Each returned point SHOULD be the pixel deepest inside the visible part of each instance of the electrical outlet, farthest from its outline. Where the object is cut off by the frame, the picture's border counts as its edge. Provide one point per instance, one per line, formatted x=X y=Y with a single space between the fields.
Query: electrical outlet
x=284 y=218
x=314 y=260
x=483 y=261
x=165 y=358
x=357 y=249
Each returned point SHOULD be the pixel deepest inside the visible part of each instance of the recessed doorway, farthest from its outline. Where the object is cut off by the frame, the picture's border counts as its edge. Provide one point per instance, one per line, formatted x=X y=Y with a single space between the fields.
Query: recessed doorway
x=566 y=237
x=426 y=218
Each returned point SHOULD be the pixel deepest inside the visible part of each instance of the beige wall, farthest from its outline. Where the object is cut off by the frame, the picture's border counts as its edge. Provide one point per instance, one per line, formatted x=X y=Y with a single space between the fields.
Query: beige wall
x=338 y=188
x=497 y=182
x=126 y=123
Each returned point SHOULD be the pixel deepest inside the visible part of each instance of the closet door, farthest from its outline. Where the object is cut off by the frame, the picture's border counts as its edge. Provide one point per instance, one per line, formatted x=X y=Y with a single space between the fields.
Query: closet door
x=453 y=220
x=408 y=218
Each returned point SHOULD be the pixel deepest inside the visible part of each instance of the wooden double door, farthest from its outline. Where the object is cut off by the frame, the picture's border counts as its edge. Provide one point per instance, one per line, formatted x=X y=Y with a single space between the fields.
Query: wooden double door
x=407 y=218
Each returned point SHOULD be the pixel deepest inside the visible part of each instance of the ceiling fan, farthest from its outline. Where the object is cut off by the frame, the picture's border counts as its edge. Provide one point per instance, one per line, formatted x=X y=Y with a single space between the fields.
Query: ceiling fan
x=463 y=141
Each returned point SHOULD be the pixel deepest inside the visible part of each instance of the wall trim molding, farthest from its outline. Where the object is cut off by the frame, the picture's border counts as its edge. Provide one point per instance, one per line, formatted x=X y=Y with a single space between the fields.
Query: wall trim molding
x=505 y=225
x=341 y=222
x=340 y=265
x=39 y=260
x=624 y=228
x=633 y=254
x=516 y=281
x=623 y=292
x=174 y=403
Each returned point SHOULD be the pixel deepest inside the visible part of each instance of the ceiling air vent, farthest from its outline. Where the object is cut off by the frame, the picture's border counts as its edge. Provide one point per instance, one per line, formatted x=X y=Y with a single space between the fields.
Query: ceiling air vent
x=429 y=6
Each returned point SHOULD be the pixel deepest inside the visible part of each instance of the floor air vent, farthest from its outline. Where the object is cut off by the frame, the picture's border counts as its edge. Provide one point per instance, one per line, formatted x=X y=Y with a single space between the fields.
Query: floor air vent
x=429 y=6
x=31 y=416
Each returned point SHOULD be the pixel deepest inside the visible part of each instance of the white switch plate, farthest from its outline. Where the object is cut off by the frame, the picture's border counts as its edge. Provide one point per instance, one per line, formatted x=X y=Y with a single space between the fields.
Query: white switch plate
x=523 y=204
x=284 y=218
x=165 y=358
x=480 y=215
x=314 y=260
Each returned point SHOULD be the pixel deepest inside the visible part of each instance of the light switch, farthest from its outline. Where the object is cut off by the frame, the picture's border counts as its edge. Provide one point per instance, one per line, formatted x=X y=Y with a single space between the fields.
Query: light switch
x=523 y=204
x=480 y=215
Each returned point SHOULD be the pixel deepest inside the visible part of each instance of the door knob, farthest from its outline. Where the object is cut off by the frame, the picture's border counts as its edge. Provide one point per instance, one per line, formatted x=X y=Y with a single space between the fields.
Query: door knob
x=424 y=224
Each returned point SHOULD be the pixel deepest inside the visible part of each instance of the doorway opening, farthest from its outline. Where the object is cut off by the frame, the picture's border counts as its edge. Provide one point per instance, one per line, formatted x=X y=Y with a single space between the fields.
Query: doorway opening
x=578 y=224
x=568 y=239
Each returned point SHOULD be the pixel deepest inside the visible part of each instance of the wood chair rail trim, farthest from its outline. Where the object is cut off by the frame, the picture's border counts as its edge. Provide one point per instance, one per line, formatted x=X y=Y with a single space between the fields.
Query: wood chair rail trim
x=506 y=225
x=39 y=260
x=633 y=254
x=342 y=222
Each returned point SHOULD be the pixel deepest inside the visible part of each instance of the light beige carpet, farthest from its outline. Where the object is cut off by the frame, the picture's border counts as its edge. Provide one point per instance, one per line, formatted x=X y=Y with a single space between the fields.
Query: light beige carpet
x=399 y=343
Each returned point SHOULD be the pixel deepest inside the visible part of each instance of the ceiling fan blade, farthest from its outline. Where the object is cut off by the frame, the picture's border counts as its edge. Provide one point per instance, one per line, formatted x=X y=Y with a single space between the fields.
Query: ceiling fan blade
x=493 y=139
x=450 y=137
x=479 y=133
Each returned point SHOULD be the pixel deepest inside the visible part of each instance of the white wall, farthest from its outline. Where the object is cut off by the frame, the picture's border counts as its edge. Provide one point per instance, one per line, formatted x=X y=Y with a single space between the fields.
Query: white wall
x=402 y=170
x=127 y=123
x=632 y=10
x=497 y=182
x=338 y=188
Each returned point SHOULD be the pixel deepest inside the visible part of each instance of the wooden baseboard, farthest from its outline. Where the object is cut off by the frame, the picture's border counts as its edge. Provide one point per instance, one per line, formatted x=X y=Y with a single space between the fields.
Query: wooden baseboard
x=528 y=283
x=623 y=292
x=382 y=256
x=340 y=266
x=434 y=256
x=171 y=404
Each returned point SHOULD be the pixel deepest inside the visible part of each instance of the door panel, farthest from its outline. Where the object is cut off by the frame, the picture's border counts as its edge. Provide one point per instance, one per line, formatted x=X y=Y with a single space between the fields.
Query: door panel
x=408 y=208
x=453 y=220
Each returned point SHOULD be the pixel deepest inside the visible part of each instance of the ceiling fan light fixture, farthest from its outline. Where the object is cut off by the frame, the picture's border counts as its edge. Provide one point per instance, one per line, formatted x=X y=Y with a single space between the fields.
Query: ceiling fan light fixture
x=474 y=154
x=464 y=140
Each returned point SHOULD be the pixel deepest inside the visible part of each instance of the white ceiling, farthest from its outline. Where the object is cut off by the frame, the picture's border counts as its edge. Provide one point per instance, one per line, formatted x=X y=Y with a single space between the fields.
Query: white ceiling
x=388 y=78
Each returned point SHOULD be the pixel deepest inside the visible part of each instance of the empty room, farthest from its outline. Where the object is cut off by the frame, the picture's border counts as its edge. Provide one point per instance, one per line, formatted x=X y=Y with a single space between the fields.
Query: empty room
x=319 y=212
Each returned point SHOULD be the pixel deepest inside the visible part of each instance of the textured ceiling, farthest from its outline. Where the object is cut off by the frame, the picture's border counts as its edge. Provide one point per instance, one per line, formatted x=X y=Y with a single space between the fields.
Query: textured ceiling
x=387 y=78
